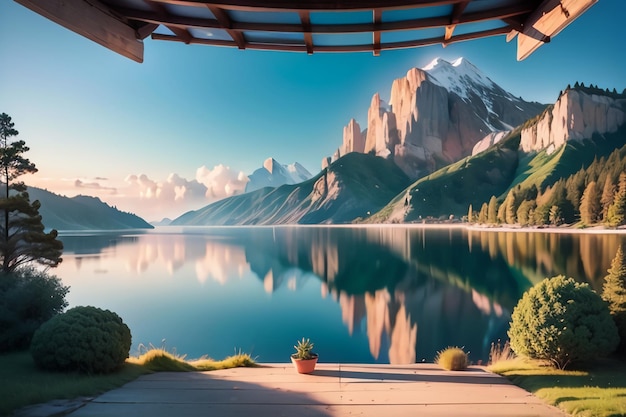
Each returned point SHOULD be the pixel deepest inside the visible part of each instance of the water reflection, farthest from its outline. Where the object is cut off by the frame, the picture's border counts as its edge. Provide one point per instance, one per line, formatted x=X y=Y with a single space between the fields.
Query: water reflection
x=408 y=292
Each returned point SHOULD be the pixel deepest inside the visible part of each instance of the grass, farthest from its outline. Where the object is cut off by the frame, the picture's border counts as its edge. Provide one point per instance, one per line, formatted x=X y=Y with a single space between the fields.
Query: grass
x=597 y=391
x=22 y=383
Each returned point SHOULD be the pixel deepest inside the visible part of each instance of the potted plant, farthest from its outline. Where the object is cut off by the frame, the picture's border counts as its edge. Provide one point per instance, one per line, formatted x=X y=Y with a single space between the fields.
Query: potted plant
x=304 y=359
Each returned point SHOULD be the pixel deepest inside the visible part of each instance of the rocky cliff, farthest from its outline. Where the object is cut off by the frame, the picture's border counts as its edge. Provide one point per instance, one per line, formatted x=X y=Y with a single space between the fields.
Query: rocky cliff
x=274 y=174
x=435 y=116
x=578 y=114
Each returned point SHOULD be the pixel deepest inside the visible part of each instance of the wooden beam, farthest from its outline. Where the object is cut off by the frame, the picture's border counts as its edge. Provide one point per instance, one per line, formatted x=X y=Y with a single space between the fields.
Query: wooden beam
x=312 y=5
x=547 y=21
x=455 y=18
x=180 y=31
x=92 y=20
x=305 y=19
x=378 y=17
x=224 y=20
x=295 y=47
x=424 y=23
x=145 y=29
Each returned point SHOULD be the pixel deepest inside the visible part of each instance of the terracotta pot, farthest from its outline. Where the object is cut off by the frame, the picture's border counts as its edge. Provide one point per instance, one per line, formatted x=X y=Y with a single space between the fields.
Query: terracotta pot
x=304 y=366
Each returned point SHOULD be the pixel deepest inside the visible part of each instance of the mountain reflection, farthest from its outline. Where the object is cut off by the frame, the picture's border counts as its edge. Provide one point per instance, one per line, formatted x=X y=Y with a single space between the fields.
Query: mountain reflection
x=414 y=291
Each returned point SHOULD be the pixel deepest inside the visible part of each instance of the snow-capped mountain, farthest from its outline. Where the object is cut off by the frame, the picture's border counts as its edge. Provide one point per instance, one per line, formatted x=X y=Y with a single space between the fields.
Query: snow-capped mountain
x=274 y=174
x=435 y=116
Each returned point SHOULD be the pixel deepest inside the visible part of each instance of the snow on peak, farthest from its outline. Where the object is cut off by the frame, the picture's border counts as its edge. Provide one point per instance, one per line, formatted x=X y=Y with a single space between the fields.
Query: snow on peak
x=460 y=76
x=275 y=174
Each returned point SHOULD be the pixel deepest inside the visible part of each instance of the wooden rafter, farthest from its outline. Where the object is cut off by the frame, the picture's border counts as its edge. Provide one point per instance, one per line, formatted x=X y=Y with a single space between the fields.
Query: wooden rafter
x=180 y=31
x=378 y=17
x=297 y=47
x=225 y=22
x=455 y=18
x=411 y=24
x=305 y=19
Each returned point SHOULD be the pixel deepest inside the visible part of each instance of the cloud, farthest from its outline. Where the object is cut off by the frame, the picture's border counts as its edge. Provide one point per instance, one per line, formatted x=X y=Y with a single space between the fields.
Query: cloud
x=94 y=185
x=174 y=188
x=221 y=181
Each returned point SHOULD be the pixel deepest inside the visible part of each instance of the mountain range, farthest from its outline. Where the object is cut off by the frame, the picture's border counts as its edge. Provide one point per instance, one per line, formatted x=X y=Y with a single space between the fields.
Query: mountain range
x=274 y=174
x=448 y=138
x=82 y=213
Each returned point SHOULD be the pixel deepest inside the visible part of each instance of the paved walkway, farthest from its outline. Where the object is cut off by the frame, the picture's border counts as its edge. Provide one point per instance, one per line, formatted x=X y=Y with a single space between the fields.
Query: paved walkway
x=332 y=390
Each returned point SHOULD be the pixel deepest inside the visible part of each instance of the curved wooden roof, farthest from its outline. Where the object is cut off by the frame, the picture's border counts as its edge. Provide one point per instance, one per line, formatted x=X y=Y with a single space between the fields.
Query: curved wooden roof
x=311 y=26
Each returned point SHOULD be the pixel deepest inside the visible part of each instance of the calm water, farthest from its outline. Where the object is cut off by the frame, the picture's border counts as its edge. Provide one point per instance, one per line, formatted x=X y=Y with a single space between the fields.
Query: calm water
x=374 y=295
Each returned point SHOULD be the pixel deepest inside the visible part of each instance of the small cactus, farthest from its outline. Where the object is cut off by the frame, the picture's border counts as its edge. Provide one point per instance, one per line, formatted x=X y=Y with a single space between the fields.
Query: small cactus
x=452 y=359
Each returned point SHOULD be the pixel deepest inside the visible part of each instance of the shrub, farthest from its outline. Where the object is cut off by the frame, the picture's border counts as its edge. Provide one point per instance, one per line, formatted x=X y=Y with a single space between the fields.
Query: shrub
x=28 y=298
x=452 y=359
x=84 y=339
x=562 y=321
x=614 y=293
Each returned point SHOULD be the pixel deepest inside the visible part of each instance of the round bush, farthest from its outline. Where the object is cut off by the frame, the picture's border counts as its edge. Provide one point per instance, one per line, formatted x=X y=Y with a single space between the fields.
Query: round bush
x=83 y=339
x=562 y=321
x=452 y=359
x=28 y=298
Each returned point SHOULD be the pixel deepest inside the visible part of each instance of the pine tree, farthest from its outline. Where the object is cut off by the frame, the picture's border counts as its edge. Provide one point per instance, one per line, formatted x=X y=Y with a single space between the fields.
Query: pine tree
x=510 y=209
x=22 y=236
x=614 y=293
x=482 y=214
x=616 y=215
x=492 y=210
x=555 y=217
x=608 y=195
x=590 y=208
x=470 y=214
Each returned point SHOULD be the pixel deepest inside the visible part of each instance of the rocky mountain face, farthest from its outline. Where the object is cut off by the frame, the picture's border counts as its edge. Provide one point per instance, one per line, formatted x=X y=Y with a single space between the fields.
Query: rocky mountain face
x=273 y=174
x=434 y=117
x=578 y=114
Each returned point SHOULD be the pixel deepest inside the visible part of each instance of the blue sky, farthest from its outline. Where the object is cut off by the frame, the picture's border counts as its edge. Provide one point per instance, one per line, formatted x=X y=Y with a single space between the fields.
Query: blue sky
x=93 y=118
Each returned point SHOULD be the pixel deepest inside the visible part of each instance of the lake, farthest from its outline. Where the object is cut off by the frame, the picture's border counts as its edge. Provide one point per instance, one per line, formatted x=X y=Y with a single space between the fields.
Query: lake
x=380 y=294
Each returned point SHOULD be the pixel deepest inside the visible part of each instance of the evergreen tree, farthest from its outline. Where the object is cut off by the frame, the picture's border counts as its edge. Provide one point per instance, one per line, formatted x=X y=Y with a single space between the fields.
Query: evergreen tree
x=614 y=293
x=608 y=195
x=590 y=209
x=525 y=212
x=22 y=236
x=616 y=215
x=470 y=214
x=482 y=214
x=492 y=210
x=510 y=209
x=555 y=217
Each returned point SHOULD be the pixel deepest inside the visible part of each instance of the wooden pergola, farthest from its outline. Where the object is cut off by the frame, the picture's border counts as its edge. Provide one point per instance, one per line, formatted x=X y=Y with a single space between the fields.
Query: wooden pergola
x=311 y=26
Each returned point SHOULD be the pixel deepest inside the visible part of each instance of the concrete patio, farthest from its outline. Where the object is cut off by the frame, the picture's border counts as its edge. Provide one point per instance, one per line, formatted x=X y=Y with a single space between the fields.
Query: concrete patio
x=332 y=390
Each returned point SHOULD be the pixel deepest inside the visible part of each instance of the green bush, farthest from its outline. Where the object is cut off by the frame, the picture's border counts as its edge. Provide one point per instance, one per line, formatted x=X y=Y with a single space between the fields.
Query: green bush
x=562 y=321
x=28 y=298
x=452 y=359
x=84 y=339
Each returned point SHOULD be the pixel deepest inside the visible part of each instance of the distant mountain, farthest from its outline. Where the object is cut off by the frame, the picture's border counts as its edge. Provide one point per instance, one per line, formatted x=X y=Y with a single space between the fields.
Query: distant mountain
x=273 y=174
x=354 y=186
x=434 y=117
x=82 y=213
x=584 y=124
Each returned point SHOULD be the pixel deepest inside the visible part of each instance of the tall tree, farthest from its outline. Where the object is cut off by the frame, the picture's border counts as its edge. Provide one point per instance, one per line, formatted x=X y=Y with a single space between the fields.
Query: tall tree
x=614 y=293
x=616 y=215
x=22 y=235
x=608 y=194
x=492 y=210
x=590 y=209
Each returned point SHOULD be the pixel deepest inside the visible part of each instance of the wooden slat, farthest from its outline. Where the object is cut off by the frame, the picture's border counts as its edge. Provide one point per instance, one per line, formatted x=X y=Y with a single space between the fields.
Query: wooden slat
x=305 y=19
x=329 y=5
x=547 y=21
x=378 y=17
x=224 y=20
x=424 y=23
x=455 y=18
x=295 y=47
x=92 y=20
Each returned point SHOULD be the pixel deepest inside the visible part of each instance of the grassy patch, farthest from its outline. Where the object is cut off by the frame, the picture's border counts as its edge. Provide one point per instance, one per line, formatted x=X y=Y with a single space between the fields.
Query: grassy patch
x=596 y=391
x=24 y=384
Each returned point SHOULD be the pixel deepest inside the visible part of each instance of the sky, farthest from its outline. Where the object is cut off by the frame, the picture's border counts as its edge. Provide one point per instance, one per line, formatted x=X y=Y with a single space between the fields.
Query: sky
x=189 y=124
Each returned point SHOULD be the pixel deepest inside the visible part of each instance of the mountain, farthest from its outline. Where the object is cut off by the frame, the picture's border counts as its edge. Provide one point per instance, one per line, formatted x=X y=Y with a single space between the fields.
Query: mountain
x=354 y=186
x=82 y=213
x=435 y=116
x=584 y=124
x=274 y=174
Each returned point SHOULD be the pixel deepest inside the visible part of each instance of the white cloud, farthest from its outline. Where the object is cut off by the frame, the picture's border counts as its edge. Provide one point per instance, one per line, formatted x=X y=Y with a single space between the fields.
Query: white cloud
x=221 y=181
